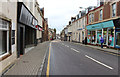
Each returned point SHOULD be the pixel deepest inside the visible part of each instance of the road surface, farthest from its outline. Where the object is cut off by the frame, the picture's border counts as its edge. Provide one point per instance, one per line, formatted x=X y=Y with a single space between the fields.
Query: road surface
x=65 y=58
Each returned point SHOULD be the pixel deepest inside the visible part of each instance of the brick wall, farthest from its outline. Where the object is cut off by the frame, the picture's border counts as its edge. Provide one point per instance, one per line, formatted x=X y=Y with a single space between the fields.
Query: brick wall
x=106 y=12
x=96 y=16
x=118 y=8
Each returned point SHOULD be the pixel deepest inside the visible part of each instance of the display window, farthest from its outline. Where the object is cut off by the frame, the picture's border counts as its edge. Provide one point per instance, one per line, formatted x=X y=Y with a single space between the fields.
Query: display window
x=99 y=35
x=93 y=36
x=105 y=36
x=111 y=37
x=89 y=37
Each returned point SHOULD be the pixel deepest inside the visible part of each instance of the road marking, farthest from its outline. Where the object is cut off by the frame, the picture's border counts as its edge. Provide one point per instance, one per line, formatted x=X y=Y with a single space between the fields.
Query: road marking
x=74 y=50
x=98 y=62
x=67 y=46
x=48 y=64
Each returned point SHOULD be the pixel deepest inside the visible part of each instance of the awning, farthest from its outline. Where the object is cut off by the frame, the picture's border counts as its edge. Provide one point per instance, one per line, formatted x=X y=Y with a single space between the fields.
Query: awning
x=101 y=25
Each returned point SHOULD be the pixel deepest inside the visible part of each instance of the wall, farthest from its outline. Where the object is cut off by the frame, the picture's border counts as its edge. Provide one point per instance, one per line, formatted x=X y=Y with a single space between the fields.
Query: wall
x=7 y=12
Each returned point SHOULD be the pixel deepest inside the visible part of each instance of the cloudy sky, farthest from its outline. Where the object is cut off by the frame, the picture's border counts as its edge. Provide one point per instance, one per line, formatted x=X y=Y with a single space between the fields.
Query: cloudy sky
x=59 y=12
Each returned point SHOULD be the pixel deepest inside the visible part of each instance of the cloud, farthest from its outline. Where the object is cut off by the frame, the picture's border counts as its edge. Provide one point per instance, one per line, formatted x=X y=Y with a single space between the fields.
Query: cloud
x=59 y=12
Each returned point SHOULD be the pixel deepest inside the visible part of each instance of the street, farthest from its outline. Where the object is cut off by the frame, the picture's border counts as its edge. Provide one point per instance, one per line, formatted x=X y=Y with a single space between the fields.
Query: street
x=66 y=58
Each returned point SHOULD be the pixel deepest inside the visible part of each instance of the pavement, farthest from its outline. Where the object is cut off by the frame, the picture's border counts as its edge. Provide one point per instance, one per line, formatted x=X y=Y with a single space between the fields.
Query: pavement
x=72 y=59
x=30 y=63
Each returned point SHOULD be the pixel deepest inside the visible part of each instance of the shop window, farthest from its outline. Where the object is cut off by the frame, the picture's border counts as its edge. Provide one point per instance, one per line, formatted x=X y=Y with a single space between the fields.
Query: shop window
x=118 y=39
x=111 y=37
x=89 y=37
x=93 y=37
x=99 y=34
x=105 y=35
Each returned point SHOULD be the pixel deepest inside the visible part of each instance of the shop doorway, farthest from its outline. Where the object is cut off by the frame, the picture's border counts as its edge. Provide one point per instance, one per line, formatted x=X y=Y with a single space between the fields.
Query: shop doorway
x=21 y=41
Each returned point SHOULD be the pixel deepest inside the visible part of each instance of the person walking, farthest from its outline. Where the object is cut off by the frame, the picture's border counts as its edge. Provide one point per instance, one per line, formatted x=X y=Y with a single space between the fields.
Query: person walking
x=102 y=41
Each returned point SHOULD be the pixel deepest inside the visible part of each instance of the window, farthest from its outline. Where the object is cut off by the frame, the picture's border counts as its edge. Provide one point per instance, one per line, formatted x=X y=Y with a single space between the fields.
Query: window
x=90 y=18
x=3 y=42
x=101 y=14
x=118 y=39
x=83 y=23
x=13 y=37
x=113 y=10
x=4 y=37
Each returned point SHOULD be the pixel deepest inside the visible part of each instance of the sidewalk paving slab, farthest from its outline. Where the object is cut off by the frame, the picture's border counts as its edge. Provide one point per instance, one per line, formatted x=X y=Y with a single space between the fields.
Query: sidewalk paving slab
x=29 y=63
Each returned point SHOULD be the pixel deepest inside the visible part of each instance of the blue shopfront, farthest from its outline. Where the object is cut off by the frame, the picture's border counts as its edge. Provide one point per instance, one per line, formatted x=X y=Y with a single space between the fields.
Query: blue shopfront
x=103 y=29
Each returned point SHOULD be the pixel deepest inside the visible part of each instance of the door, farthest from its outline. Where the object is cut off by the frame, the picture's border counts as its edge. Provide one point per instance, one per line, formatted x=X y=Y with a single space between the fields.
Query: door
x=21 y=41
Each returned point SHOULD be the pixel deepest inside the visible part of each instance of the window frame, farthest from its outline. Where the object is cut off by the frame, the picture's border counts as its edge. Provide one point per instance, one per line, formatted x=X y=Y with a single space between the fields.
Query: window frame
x=114 y=10
x=89 y=18
x=101 y=14
x=5 y=28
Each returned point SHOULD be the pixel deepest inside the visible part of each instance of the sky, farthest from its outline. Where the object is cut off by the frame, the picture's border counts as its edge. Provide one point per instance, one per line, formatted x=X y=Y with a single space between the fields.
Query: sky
x=59 y=12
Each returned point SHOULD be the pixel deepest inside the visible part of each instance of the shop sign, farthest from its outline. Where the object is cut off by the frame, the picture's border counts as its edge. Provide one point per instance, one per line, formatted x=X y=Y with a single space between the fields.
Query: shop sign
x=101 y=25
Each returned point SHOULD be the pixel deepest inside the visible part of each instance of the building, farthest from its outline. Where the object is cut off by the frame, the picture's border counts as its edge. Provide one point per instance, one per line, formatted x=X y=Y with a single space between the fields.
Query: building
x=51 y=34
x=103 y=21
x=8 y=36
x=69 y=35
x=40 y=16
x=20 y=29
x=45 y=28
x=76 y=28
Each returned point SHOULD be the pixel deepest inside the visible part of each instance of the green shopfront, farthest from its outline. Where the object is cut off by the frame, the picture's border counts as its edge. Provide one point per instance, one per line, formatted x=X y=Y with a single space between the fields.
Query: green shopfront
x=103 y=29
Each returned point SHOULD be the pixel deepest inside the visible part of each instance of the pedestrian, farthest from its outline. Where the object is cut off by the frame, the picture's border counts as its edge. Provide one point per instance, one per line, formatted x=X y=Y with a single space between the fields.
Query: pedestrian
x=102 y=41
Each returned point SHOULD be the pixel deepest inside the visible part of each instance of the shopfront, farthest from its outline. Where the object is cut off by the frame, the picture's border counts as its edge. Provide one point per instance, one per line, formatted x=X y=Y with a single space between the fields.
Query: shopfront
x=117 y=32
x=103 y=29
x=26 y=30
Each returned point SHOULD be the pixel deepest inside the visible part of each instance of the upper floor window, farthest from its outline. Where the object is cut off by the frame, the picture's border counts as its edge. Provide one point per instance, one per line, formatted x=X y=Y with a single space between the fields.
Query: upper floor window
x=113 y=9
x=101 y=13
x=83 y=23
x=90 y=18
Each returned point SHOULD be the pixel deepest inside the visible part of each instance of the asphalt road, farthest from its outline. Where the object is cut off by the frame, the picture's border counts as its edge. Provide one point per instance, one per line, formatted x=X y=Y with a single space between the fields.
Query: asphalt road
x=67 y=58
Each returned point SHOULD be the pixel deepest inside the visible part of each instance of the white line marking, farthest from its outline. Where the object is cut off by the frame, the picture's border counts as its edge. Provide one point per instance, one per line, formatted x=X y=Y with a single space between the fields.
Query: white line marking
x=74 y=50
x=67 y=46
x=98 y=62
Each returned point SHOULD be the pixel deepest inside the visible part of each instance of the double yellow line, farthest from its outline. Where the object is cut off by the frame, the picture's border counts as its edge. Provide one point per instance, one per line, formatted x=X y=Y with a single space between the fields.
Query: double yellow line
x=48 y=64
